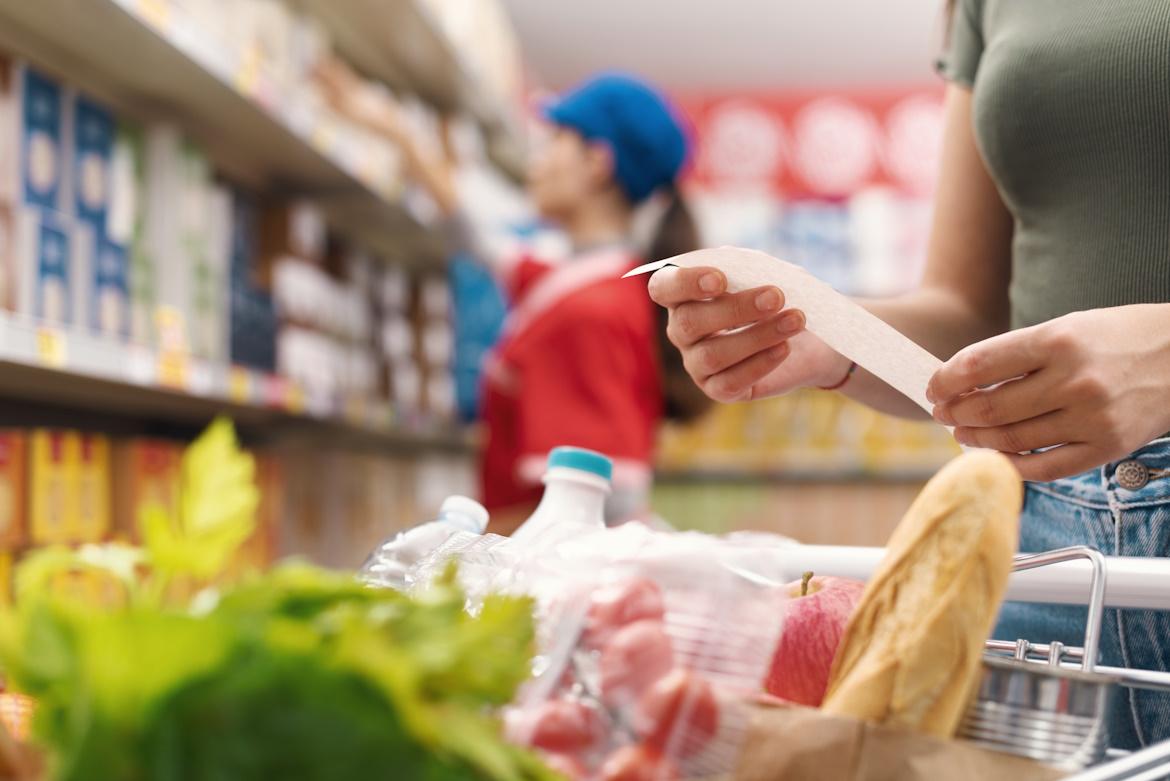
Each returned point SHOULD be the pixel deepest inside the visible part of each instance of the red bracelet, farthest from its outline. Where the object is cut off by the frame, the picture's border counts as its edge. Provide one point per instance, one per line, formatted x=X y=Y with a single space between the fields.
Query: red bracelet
x=845 y=379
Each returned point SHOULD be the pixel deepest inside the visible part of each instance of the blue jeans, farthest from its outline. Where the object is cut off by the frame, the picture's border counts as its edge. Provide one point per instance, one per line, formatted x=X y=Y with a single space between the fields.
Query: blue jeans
x=1094 y=509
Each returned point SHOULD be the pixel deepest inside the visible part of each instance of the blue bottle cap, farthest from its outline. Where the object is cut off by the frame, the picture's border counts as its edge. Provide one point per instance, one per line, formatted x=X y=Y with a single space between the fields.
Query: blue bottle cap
x=579 y=458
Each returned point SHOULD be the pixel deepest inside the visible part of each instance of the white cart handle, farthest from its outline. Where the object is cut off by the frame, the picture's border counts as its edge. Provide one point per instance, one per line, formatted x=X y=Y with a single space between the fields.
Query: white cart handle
x=1133 y=584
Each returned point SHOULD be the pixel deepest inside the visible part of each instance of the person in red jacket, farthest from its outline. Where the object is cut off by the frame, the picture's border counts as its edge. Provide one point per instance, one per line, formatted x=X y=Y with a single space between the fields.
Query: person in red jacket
x=582 y=360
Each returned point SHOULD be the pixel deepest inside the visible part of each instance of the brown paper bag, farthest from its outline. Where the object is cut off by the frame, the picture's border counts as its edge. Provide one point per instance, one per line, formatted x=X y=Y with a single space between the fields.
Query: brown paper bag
x=793 y=743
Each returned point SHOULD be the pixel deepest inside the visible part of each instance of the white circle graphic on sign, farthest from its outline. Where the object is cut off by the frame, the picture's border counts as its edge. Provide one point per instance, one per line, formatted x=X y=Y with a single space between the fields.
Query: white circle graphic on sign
x=743 y=143
x=835 y=143
x=914 y=139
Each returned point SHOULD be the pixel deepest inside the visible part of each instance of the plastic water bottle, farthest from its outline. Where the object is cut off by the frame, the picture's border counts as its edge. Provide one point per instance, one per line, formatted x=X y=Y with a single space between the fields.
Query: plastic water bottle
x=576 y=484
x=392 y=564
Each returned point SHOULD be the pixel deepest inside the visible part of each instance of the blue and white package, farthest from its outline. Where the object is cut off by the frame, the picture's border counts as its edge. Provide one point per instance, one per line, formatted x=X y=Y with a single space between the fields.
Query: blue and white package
x=109 y=300
x=53 y=278
x=93 y=150
x=43 y=146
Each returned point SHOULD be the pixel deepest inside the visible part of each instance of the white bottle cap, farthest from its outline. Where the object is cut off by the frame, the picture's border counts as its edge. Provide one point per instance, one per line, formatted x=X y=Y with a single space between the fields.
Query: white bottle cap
x=466 y=509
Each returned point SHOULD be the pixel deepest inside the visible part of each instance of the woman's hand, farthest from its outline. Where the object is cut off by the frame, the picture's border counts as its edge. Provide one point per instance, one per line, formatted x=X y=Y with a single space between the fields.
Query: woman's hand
x=1094 y=383
x=741 y=346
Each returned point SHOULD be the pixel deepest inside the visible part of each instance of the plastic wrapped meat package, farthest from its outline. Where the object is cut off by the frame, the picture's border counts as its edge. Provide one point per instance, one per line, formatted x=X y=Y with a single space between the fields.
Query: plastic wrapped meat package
x=651 y=645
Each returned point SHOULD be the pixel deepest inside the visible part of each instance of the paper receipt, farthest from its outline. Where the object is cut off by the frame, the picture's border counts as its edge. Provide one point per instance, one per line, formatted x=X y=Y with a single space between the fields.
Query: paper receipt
x=840 y=323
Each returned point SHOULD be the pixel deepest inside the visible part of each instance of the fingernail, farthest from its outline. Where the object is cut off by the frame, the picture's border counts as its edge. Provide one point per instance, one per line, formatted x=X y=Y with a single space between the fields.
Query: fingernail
x=768 y=301
x=942 y=415
x=710 y=283
x=930 y=395
x=790 y=322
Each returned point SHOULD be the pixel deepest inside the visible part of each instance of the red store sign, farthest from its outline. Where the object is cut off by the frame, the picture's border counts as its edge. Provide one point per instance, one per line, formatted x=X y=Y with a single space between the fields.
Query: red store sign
x=823 y=145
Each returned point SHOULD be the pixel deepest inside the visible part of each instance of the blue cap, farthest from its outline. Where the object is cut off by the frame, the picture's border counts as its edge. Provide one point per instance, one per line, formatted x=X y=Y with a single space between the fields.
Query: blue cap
x=579 y=458
x=638 y=124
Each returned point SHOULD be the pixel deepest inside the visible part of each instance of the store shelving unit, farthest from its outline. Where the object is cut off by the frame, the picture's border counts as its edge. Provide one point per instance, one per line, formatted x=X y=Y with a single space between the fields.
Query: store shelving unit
x=398 y=42
x=143 y=59
x=79 y=371
x=250 y=130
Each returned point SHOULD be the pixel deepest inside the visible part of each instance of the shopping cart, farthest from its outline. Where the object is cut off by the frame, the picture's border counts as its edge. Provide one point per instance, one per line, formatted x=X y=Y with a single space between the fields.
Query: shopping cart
x=1048 y=701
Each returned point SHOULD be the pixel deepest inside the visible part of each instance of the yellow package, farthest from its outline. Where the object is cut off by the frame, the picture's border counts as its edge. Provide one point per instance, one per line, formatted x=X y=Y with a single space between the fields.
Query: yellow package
x=5 y=578
x=12 y=489
x=90 y=464
x=50 y=489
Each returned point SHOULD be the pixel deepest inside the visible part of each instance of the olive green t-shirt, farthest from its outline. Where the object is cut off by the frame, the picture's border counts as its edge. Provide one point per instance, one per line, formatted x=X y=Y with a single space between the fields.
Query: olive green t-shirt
x=1071 y=111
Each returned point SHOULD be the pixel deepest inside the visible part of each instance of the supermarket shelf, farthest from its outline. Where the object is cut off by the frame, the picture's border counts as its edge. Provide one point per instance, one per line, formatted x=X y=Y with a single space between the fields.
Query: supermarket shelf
x=394 y=41
x=251 y=131
x=48 y=366
x=747 y=476
x=398 y=42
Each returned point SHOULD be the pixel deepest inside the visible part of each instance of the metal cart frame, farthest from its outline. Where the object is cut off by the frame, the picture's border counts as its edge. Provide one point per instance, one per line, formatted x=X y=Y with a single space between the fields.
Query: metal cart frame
x=1149 y=763
x=1075 y=576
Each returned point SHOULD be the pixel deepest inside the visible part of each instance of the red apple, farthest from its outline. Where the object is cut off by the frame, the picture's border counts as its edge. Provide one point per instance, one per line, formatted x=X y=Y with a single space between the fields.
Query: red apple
x=635 y=657
x=816 y=614
x=679 y=713
x=617 y=604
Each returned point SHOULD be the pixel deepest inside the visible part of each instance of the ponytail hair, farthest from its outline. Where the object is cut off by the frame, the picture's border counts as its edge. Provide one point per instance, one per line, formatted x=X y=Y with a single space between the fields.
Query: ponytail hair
x=677 y=233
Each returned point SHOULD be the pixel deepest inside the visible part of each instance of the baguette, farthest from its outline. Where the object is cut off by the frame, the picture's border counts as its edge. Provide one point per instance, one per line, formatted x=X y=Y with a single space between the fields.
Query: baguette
x=911 y=654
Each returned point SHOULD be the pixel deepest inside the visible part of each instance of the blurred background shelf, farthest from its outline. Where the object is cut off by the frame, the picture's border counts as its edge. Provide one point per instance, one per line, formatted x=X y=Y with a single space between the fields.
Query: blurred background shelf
x=145 y=58
x=65 y=378
x=401 y=43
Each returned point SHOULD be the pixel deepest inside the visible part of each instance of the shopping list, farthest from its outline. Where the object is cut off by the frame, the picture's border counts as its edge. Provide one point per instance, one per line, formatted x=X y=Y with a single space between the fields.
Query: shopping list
x=842 y=324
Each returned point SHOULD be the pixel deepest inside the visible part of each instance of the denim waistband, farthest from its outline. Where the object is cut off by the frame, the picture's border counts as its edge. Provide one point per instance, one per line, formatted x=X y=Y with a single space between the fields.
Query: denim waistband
x=1100 y=488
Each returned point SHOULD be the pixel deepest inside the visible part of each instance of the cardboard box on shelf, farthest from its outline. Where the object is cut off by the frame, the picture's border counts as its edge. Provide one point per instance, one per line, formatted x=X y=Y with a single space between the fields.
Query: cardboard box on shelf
x=45 y=139
x=127 y=227
x=394 y=291
x=295 y=229
x=163 y=219
x=12 y=489
x=10 y=276
x=100 y=247
x=94 y=131
x=91 y=488
x=145 y=472
x=198 y=280
x=211 y=326
x=50 y=486
x=252 y=315
x=44 y=260
x=107 y=301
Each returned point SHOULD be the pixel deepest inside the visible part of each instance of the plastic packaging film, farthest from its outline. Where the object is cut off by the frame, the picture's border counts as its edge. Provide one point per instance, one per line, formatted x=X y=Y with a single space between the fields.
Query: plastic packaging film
x=842 y=324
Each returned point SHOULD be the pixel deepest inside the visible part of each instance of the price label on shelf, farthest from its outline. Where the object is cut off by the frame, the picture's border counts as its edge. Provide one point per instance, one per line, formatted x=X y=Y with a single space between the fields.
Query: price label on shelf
x=200 y=378
x=174 y=369
x=51 y=347
x=247 y=80
x=240 y=385
x=156 y=13
x=294 y=398
x=140 y=368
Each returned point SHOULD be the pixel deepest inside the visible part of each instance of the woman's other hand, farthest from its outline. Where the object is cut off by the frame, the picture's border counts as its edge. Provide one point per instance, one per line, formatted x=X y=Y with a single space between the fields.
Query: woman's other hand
x=1091 y=386
x=741 y=346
